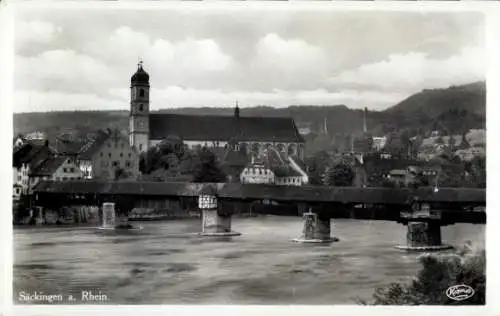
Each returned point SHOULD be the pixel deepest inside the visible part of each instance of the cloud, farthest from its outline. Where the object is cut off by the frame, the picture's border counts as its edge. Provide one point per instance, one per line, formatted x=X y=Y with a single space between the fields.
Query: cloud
x=36 y=32
x=294 y=57
x=169 y=60
x=414 y=71
x=61 y=69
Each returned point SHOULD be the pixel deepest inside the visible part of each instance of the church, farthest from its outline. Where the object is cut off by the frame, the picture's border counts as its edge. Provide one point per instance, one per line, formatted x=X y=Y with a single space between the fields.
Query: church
x=255 y=133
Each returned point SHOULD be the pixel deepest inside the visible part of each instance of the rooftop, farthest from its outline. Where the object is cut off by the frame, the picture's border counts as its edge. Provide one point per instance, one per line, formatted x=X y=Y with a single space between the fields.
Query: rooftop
x=223 y=128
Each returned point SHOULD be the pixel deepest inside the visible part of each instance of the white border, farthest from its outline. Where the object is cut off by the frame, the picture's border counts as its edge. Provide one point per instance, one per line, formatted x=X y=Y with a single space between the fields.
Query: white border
x=491 y=9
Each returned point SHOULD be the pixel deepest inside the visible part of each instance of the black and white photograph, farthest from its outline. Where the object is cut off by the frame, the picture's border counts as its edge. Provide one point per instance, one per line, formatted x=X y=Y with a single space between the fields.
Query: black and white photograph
x=252 y=155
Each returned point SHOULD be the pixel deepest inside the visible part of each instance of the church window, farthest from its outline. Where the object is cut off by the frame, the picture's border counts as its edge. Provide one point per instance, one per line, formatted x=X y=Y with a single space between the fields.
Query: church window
x=141 y=107
x=141 y=93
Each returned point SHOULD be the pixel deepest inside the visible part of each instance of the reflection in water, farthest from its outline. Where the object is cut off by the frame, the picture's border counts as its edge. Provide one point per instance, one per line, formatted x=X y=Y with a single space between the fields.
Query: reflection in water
x=166 y=263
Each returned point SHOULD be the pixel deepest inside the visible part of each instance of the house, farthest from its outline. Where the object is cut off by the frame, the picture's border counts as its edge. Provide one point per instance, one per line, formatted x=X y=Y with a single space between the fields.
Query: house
x=19 y=140
x=27 y=158
x=107 y=154
x=257 y=173
x=35 y=161
x=470 y=153
x=58 y=168
x=378 y=143
x=275 y=168
x=36 y=135
x=255 y=133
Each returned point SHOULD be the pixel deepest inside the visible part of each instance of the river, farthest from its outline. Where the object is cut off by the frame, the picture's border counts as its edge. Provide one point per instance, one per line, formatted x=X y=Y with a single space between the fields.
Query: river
x=164 y=263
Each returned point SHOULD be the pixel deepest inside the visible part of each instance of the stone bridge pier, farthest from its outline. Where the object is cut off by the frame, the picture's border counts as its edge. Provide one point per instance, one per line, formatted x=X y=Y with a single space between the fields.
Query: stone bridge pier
x=424 y=229
x=214 y=222
x=317 y=226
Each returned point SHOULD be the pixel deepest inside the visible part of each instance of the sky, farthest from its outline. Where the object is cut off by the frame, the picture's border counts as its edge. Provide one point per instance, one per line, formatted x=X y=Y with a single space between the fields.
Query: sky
x=83 y=59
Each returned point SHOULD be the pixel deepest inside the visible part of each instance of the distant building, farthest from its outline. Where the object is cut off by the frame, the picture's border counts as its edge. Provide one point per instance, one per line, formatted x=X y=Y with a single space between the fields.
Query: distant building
x=476 y=137
x=36 y=135
x=378 y=143
x=103 y=156
x=255 y=133
x=305 y=130
x=471 y=153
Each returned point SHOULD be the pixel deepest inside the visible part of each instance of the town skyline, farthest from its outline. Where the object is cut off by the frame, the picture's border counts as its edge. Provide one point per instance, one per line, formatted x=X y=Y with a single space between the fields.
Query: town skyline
x=213 y=59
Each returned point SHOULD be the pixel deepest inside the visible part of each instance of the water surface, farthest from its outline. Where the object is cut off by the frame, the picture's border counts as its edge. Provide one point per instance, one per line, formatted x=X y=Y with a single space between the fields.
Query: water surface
x=164 y=263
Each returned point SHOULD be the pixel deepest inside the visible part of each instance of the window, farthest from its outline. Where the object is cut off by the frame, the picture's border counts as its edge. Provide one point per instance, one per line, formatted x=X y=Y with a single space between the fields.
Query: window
x=65 y=170
x=102 y=154
x=141 y=107
x=121 y=154
x=109 y=155
x=115 y=163
x=140 y=146
x=72 y=169
x=129 y=155
x=141 y=93
x=128 y=164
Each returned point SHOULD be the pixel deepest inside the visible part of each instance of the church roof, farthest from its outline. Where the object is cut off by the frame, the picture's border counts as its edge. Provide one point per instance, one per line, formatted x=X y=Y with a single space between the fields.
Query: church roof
x=222 y=128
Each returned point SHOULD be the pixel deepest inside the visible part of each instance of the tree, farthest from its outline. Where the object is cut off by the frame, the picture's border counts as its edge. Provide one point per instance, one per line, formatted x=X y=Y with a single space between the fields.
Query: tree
x=436 y=275
x=206 y=169
x=316 y=166
x=340 y=175
x=162 y=155
x=120 y=174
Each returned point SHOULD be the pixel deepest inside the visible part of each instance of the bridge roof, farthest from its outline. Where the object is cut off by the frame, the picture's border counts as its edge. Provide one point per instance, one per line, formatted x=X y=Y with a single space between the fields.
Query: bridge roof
x=271 y=192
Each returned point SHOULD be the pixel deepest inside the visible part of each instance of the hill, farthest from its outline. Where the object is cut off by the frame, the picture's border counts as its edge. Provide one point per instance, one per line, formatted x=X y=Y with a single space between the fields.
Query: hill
x=452 y=110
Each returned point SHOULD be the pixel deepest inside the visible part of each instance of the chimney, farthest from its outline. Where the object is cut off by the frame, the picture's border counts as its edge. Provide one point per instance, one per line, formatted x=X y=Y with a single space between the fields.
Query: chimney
x=364 y=120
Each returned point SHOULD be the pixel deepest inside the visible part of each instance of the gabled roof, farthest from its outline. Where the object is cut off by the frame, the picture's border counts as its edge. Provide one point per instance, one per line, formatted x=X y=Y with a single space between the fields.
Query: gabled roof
x=32 y=153
x=49 y=166
x=67 y=147
x=223 y=128
x=93 y=146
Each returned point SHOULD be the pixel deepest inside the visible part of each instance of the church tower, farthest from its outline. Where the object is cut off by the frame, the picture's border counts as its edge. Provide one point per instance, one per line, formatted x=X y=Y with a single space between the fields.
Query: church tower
x=139 y=110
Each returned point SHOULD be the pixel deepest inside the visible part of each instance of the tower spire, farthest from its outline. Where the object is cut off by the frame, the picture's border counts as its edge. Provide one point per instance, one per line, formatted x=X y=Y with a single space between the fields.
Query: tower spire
x=236 y=111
